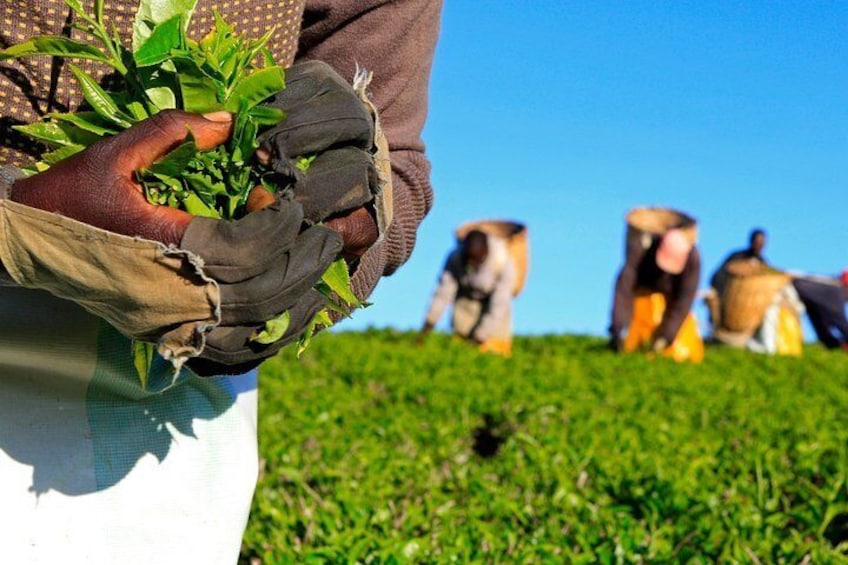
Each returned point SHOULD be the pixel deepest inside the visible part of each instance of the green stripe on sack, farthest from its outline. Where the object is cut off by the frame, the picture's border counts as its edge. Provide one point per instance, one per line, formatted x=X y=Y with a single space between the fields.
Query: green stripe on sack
x=128 y=422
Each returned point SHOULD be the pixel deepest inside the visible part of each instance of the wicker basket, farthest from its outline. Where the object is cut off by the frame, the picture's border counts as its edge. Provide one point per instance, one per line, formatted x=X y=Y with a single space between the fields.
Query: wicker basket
x=517 y=244
x=750 y=289
x=645 y=224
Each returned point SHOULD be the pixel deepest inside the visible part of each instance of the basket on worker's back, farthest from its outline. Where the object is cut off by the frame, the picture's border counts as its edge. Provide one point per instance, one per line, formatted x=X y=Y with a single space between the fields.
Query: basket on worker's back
x=514 y=235
x=750 y=289
x=645 y=224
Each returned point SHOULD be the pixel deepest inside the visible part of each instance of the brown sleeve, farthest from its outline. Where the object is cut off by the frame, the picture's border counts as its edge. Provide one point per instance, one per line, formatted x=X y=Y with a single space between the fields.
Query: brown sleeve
x=682 y=298
x=396 y=40
x=625 y=288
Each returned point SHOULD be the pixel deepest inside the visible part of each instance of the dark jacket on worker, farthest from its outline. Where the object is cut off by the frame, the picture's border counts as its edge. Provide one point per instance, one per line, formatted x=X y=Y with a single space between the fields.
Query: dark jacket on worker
x=640 y=272
x=824 y=300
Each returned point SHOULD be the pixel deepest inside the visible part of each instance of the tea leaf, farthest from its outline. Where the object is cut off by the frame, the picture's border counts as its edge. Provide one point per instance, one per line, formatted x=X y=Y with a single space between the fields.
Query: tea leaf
x=198 y=92
x=257 y=47
x=267 y=115
x=268 y=58
x=234 y=203
x=337 y=278
x=76 y=6
x=137 y=111
x=306 y=338
x=49 y=133
x=61 y=154
x=164 y=38
x=256 y=87
x=203 y=184
x=54 y=46
x=143 y=360
x=322 y=318
x=88 y=121
x=160 y=85
x=248 y=142
x=57 y=134
x=305 y=162
x=154 y=12
x=222 y=46
x=175 y=162
x=274 y=329
x=99 y=99
x=196 y=207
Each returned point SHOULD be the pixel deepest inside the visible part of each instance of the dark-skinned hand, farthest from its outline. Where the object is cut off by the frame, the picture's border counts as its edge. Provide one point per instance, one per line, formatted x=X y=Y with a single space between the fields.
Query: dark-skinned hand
x=98 y=186
x=263 y=263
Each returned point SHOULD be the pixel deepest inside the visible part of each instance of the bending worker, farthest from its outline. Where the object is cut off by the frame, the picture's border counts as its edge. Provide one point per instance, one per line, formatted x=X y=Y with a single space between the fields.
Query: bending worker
x=824 y=299
x=477 y=279
x=776 y=329
x=667 y=270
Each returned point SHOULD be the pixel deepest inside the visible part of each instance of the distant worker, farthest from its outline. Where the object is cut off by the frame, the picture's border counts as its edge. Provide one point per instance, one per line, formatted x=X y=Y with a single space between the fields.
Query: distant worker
x=824 y=298
x=753 y=305
x=478 y=279
x=654 y=292
x=754 y=252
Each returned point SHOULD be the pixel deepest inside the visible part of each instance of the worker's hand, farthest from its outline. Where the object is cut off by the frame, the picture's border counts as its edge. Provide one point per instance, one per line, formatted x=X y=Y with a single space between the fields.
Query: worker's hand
x=422 y=335
x=264 y=263
x=659 y=345
x=231 y=350
x=98 y=186
x=615 y=343
x=328 y=123
x=231 y=347
x=358 y=229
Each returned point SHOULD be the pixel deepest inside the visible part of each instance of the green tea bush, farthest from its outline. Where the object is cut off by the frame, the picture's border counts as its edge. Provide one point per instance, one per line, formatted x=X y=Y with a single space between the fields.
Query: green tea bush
x=376 y=451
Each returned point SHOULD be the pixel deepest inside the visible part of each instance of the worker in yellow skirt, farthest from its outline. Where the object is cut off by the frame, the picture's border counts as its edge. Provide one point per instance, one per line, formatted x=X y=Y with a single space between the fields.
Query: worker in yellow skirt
x=478 y=279
x=654 y=293
x=648 y=312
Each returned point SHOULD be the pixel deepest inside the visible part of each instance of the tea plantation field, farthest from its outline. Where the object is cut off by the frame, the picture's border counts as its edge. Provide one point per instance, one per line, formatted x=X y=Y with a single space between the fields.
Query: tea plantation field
x=377 y=451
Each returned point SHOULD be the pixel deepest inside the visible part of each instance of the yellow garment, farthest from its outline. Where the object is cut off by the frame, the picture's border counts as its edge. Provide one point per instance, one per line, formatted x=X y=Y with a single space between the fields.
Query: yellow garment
x=466 y=316
x=790 y=336
x=497 y=345
x=648 y=309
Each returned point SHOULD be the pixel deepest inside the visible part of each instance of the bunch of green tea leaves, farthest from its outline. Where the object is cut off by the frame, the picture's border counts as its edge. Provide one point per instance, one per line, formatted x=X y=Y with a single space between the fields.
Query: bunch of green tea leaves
x=165 y=69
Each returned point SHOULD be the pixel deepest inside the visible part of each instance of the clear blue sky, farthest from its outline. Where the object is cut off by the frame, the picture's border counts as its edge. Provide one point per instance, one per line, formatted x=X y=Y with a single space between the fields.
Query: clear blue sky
x=566 y=114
